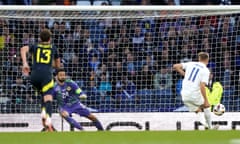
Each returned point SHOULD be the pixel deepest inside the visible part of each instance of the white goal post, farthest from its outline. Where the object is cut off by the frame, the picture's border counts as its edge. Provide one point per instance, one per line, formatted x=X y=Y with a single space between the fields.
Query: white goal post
x=122 y=56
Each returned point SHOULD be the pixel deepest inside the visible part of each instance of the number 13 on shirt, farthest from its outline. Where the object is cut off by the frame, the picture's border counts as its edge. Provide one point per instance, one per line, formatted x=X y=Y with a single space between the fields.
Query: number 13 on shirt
x=43 y=56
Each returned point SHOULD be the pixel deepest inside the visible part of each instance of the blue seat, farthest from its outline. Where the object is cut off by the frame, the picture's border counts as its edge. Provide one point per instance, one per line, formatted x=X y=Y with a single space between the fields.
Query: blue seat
x=145 y=98
x=163 y=96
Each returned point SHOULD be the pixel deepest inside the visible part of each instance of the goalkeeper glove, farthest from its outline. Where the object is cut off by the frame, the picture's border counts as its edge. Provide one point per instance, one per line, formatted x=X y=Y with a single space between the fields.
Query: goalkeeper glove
x=83 y=96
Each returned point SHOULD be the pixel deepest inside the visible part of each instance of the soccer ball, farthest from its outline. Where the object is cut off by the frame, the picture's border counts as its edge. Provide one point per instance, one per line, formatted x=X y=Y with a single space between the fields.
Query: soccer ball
x=219 y=109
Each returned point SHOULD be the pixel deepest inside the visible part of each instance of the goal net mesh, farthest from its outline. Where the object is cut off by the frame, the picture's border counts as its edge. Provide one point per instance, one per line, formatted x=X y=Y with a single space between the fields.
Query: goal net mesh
x=122 y=59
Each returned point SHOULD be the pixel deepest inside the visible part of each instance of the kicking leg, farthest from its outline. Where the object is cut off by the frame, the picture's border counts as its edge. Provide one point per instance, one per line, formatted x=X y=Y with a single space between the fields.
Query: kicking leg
x=207 y=115
x=201 y=119
x=207 y=122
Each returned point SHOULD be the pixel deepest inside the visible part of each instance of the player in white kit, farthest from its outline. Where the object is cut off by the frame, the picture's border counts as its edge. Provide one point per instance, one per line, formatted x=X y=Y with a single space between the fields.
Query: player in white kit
x=196 y=75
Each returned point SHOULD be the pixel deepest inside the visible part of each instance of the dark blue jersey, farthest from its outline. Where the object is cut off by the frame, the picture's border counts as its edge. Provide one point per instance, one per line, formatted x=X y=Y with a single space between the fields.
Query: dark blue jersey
x=42 y=56
x=67 y=94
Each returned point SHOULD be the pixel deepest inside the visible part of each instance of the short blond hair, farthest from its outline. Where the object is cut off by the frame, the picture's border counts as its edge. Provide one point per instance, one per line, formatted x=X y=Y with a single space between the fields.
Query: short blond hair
x=203 y=56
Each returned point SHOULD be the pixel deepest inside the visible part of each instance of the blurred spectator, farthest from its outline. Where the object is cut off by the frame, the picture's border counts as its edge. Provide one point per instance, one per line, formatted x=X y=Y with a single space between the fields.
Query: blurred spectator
x=113 y=30
x=28 y=39
x=235 y=79
x=68 y=51
x=102 y=69
x=137 y=39
x=144 y=78
x=164 y=57
x=186 y=53
x=129 y=2
x=55 y=2
x=227 y=71
x=17 y=2
x=148 y=60
x=125 y=89
x=19 y=91
x=4 y=97
x=66 y=2
x=60 y=38
x=163 y=78
x=148 y=24
x=123 y=40
x=235 y=2
x=77 y=32
x=131 y=64
x=206 y=38
x=105 y=87
x=103 y=48
x=111 y=59
x=162 y=2
x=77 y=71
x=224 y=45
x=117 y=72
x=149 y=44
x=200 y=2
x=12 y=69
x=94 y=62
x=87 y=41
x=147 y=2
x=93 y=94
x=209 y=21
x=112 y=47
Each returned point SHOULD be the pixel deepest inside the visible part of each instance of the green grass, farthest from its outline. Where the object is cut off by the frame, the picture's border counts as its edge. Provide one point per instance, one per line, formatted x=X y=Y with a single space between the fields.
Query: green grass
x=140 y=137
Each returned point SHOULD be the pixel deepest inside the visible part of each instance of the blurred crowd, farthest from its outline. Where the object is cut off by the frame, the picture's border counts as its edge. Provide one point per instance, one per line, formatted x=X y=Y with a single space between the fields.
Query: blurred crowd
x=120 y=2
x=123 y=64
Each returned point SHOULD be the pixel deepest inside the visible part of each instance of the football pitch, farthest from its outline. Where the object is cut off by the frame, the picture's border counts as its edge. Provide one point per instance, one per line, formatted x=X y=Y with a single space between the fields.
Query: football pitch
x=133 y=137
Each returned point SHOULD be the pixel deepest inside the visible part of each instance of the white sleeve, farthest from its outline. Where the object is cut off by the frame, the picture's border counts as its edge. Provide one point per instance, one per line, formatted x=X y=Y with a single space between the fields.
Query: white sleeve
x=205 y=76
x=184 y=65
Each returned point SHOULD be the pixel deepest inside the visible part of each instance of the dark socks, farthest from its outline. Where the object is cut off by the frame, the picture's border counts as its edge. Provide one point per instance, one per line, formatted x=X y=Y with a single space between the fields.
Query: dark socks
x=98 y=125
x=74 y=123
x=48 y=107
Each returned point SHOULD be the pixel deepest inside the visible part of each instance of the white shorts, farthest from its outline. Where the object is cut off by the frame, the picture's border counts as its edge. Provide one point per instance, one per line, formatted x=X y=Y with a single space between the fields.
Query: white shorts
x=192 y=100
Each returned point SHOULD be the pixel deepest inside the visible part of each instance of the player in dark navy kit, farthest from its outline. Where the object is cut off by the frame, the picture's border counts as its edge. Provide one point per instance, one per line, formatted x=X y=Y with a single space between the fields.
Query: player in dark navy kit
x=68 y=94
x=44 y=57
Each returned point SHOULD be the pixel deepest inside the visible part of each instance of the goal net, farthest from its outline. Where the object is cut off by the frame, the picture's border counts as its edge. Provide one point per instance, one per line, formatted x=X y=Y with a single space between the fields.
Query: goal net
x=122 y=57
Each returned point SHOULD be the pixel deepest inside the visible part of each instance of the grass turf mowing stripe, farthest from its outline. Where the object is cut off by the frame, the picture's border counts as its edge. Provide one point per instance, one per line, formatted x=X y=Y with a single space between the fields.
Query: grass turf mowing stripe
x=107 y=137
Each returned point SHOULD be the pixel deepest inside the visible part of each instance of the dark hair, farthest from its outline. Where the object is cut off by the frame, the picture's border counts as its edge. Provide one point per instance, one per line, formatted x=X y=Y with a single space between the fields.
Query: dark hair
x=60 y=70
x=45 y=35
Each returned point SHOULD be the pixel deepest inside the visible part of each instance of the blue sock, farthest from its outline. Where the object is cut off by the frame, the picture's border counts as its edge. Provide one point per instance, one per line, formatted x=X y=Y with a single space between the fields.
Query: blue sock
x=98 y=125
x=72 y=122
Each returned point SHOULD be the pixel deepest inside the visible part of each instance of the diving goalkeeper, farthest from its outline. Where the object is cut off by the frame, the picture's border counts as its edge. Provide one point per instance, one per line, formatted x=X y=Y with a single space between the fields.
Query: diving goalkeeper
x=68 y=94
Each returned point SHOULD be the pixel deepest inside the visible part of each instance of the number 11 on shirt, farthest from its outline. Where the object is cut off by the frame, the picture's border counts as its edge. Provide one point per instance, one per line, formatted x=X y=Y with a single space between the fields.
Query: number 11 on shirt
x=193 y=74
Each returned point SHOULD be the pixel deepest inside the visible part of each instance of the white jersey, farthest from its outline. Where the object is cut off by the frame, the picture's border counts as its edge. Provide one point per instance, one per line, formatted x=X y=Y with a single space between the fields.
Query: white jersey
x=195 y=72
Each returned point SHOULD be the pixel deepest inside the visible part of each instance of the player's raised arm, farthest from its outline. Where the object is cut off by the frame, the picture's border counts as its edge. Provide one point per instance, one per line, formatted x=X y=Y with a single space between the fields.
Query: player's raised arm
x=179 y=68
x=25 y=68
